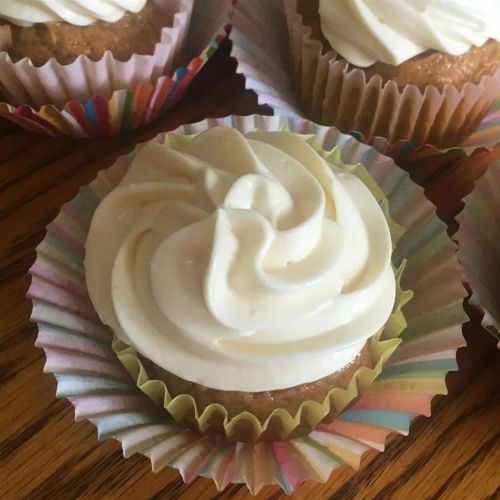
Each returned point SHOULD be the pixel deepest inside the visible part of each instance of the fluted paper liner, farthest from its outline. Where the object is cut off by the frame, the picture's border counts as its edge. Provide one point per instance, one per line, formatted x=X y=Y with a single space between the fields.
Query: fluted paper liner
x=267 y=34
x=97 y=98
x=478 y=239
x=79 y=353
x=281 y=424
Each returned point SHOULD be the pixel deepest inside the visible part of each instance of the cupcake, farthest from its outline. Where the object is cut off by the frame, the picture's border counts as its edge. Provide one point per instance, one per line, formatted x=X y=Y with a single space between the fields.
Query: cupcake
x=55 y=51
x=248 y=280
x=425 y=71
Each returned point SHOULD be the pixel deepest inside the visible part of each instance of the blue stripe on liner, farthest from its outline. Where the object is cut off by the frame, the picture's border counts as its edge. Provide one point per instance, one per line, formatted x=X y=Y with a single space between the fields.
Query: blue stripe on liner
x=396 y=420
x=180 y=73
x=91 y=114
x=114 y=424
x=437 y=366
x=408 y=147
x=79 y=385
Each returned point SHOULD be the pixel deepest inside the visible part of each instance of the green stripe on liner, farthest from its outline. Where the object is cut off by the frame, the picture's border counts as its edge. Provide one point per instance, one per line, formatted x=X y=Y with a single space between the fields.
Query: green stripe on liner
x=54 y=242
x=388 y=419
x=86 y=201
x=325 y=451
x=211 y=51
x=420 y=369
x=127 y=113
x=205 y=470
x=62 y=332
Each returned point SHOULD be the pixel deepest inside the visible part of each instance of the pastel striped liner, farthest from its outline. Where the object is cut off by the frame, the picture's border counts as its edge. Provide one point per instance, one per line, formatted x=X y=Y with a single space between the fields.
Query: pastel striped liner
x=260 y=46
x=478 y=239
x=79 y=354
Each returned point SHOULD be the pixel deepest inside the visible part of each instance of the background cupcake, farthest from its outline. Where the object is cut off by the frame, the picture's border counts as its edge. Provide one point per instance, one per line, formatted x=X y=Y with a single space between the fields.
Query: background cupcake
x=56 y=51
x=427 y=72
x=252 y=276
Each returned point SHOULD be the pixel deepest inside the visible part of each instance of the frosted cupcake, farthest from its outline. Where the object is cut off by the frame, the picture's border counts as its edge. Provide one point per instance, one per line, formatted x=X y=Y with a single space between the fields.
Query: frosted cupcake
x=248 y=280
x=54 y=51
x=425 y=71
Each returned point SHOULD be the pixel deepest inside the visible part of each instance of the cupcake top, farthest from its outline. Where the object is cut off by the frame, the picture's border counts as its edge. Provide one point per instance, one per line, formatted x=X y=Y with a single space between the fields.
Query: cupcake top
x=243 y=263
x=392 y=31
x=76 y=12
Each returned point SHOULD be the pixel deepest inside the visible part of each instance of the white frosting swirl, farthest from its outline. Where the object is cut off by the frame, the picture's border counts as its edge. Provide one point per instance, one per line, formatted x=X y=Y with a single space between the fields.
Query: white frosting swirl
x=393 y=31
x=241 y=263
x=77 y=12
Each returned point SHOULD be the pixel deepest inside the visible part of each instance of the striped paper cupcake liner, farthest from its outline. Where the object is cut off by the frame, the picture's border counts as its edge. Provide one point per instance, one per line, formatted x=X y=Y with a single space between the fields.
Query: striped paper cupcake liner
x=478 y=239
x=79 y=353
x=138 y=104
x=261 y=48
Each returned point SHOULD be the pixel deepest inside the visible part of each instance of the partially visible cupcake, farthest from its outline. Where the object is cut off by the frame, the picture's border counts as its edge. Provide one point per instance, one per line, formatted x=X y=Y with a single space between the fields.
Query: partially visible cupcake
x=60 y=50
x=425 y=71
x=478 y=239
x=248 y=280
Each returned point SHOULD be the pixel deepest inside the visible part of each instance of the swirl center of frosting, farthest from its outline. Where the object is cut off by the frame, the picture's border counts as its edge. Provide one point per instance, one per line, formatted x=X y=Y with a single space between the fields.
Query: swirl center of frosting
x=241 y=262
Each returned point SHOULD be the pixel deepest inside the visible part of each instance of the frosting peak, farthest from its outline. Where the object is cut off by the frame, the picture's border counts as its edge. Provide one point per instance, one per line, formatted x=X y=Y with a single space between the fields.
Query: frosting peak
x=77 y=12
x=241 y=262
x=392 y=31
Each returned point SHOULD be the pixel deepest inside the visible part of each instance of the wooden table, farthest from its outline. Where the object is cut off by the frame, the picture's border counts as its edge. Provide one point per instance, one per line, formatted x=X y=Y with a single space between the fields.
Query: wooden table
x=45 y=454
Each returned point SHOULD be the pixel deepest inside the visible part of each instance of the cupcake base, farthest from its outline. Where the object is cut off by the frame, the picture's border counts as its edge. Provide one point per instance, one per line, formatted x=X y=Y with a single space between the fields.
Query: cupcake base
x=132 y=34
x=260 y=404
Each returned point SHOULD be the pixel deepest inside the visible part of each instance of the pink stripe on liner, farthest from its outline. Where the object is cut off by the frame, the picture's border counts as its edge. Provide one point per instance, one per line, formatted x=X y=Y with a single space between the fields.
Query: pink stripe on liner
x=45 y=272
x=204 y=452
x=76 y=216
x=358 y=431
x=408 y=403
x=491 y=117
x=92 y=407
x=75 y=343
x=101 y=114
x=64 y=362
x=289 y=467
x=63 y=299
x=74 y=244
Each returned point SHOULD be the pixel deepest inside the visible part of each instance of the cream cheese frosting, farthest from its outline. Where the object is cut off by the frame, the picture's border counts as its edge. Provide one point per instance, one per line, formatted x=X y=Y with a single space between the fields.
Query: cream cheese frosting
x=77 y=12
x=245 y=263
x=392 y=31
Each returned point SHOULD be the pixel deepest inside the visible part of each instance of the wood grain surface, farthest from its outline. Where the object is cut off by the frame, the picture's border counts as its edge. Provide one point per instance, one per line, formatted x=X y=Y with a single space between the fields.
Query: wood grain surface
x=455 y=454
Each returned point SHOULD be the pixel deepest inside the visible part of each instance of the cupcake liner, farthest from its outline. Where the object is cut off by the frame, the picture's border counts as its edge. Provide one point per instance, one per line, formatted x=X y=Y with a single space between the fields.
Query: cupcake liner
x=106 y=97
x=264 y=34
x=79 y=352
x=478 y=239
x=280 y=424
